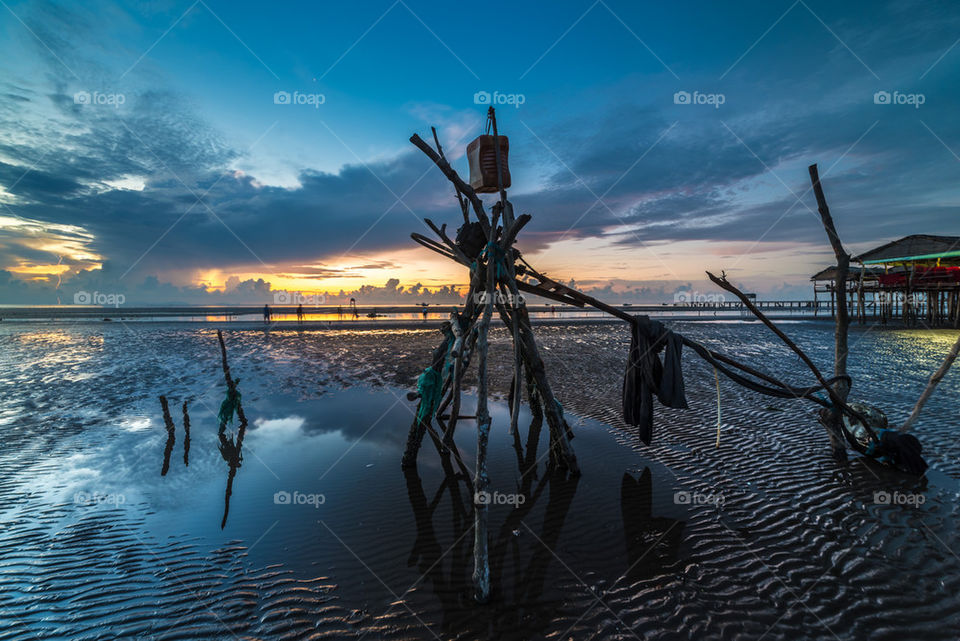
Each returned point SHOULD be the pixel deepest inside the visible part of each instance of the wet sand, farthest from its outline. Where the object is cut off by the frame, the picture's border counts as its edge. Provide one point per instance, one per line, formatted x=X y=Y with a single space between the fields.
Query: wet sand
x=791 y=546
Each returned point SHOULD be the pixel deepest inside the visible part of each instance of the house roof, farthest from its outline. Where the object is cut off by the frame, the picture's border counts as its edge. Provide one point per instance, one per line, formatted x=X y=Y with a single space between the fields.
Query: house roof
x=914 y=248
x=830 y=273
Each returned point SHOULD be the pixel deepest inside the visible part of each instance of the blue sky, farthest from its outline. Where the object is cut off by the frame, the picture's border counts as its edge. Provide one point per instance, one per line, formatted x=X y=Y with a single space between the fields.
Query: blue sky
x=198 y=187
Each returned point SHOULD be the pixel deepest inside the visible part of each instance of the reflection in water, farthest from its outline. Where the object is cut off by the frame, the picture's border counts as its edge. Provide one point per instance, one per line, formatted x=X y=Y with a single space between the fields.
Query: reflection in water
x=171 y=435
x=822 y=527
x=529 y=585
x=451 y=580
x=652 y=541
x=186 y=435
x=428 y=555
x=232 y=453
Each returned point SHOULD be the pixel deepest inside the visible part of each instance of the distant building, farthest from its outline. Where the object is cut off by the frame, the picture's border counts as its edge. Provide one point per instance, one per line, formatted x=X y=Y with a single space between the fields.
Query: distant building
x=915 y=279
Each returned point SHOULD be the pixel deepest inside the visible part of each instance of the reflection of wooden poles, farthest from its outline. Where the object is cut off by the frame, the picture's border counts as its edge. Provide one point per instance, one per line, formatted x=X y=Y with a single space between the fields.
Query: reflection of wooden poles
x=932 y=385
x=233 y=455
x=171 y=435
x=427 y=554
x=186 y=438
x=232 y=452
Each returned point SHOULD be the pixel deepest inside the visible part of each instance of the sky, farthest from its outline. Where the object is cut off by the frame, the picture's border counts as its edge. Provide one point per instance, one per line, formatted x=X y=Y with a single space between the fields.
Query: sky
x=212 y=152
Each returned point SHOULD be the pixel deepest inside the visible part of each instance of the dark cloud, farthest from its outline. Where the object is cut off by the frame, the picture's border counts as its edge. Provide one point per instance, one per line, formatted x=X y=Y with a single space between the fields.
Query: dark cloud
x=665 y=172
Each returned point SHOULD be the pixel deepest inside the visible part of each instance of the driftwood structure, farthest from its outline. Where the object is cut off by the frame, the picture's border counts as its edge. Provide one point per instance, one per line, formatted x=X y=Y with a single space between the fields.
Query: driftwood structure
x=499 y=276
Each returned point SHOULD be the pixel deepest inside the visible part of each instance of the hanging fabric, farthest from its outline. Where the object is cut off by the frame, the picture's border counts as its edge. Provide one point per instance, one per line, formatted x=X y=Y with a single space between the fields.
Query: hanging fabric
x=646 y=375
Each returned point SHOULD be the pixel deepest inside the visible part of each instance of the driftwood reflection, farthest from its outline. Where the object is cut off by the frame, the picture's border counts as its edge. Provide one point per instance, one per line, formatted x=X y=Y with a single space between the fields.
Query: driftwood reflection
x=524 y=552
x=230 y=445
x=447 y=570
x=528 y=583
x=186 y=435
x=652 y=542
x=230 y=449
x=172 y=435
x=232 y=452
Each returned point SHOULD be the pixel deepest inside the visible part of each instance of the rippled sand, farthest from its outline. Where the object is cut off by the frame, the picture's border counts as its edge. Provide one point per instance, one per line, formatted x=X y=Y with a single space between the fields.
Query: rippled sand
x=776 y=541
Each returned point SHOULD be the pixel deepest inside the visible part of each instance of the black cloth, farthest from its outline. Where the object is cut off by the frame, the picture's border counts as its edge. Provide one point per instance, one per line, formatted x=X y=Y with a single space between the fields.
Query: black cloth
x=905 y=450
x=647 y=375
x=471 y=239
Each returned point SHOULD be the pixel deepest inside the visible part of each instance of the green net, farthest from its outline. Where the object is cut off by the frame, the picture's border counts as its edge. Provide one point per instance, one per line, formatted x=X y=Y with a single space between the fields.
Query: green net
x=229 y=406
x=429 y=385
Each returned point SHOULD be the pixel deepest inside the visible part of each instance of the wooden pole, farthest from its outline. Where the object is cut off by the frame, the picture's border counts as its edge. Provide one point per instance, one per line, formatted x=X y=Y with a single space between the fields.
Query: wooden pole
x=481 y=483
x=840 y=347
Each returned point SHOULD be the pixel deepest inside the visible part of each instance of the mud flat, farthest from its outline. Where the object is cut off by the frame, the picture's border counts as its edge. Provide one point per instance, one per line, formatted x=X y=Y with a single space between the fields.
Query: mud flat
x=761 y=537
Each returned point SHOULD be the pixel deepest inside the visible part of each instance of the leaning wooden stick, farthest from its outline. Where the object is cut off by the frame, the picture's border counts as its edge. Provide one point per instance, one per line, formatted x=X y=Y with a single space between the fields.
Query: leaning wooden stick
x=463 y=204
x=458 y=182
x=837 y=400
x=843 y=267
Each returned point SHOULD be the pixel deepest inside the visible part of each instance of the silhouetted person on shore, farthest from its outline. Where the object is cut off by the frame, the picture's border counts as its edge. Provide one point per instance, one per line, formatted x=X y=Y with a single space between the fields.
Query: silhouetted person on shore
x=300 y=314
x=266 y=313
